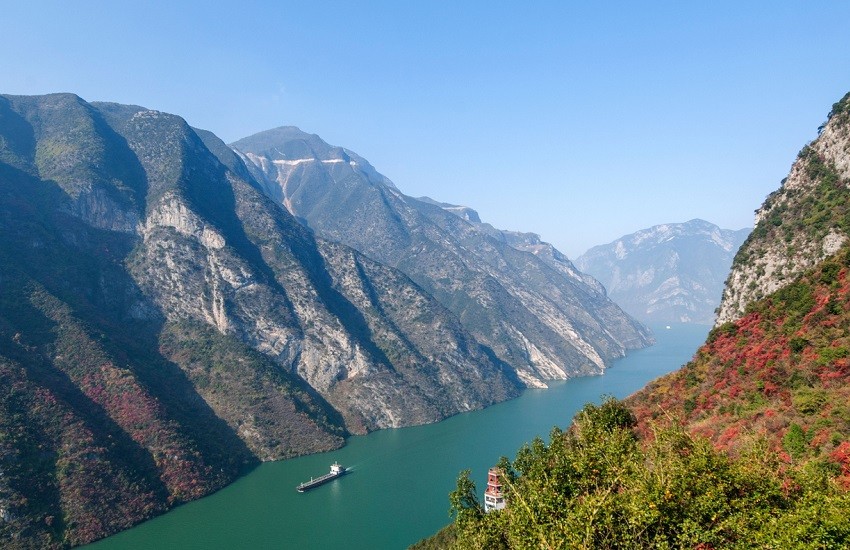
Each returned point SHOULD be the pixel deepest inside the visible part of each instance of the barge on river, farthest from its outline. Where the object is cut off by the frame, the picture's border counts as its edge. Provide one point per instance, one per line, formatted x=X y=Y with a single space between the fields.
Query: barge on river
x=336 y=471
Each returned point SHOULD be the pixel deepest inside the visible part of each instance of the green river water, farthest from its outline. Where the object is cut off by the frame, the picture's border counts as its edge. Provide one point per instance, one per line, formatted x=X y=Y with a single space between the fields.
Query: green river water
x=397 y=490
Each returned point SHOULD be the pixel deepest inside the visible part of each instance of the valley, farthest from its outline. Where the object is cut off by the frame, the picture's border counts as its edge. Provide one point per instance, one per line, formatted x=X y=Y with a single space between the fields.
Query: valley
x=603 y=249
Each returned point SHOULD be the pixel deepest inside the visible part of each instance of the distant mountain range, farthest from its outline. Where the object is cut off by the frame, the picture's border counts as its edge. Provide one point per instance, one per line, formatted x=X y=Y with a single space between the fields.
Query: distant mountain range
x=670 y=273
x=536 y=313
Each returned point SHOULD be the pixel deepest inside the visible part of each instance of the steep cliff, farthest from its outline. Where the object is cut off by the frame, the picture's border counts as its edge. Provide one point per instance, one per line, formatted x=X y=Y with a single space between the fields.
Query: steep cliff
x=541 y=318
x=800 y=224
x=778 y=368
x=670 y=273
x=164 y=325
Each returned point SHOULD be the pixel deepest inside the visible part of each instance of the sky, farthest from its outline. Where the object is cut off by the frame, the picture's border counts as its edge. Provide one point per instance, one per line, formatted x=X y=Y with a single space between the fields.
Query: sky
x=580 y=121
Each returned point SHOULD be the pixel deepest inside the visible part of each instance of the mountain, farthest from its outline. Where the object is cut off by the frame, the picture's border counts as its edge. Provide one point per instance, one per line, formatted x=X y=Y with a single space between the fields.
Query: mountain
x=164 y=325
x=778 y=366
x=536 y=313
x=671 y=273
x=806 y=220
x=746 y=446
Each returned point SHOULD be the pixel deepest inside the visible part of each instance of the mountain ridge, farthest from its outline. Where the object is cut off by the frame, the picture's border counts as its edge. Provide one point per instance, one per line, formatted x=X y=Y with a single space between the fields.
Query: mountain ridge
x=668 y=273
x=541 y=318
x=776 y=364
x=183 y=327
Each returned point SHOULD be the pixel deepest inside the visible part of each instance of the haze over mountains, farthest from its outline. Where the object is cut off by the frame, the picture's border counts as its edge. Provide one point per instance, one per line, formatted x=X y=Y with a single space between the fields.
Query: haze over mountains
x=536 y=312
x=670 y=273
x=164 y=324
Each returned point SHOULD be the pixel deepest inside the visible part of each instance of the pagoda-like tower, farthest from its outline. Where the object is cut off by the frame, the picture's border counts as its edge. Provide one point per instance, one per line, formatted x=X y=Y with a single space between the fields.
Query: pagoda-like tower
x=494 y=498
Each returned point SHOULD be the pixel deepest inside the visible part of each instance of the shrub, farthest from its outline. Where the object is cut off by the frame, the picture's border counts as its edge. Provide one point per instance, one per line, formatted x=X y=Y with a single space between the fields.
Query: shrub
x=794 y=441
x=809 y=401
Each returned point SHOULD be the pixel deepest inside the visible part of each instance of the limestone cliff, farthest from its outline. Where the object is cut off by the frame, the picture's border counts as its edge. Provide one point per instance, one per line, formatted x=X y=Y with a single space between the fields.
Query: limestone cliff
x=533 y=310
x=164 y=325
x=800 y=224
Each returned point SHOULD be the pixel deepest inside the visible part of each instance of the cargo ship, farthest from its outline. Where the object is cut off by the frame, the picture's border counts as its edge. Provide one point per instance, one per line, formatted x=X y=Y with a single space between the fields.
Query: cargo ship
x=336 y=471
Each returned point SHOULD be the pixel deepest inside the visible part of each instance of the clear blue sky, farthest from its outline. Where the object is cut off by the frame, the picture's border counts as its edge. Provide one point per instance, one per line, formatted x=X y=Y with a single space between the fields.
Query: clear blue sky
x=581 y=121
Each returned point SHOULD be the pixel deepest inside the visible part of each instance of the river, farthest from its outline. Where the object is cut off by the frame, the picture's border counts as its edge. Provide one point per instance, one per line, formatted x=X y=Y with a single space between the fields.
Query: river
x=397 y=490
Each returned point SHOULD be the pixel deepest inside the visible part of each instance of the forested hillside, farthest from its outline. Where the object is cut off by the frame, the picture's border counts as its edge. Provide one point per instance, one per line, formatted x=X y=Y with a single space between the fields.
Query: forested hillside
x=604 y=484
x=779 y=373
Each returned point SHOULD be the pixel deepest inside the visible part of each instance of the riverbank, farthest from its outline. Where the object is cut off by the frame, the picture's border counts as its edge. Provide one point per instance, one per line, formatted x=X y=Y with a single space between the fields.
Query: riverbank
x=396 y=492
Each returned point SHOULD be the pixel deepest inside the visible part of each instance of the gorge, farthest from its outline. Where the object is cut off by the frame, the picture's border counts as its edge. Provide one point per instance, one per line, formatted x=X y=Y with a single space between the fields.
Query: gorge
x=165 y=325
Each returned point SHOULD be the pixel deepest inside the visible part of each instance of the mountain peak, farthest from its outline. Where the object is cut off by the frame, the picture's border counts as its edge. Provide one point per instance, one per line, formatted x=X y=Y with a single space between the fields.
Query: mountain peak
x=463 y=212
x=519 y=298
x=799 y=224
x=286 y=143
x=667 y=273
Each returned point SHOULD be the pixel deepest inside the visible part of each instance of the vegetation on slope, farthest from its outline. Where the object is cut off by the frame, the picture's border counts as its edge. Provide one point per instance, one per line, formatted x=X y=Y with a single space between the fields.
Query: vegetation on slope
x=91 y=442
x=746 y=446
x=793 y=213
x=85 y=447
x=276 y=414
x=780 y=372
x=599 y=485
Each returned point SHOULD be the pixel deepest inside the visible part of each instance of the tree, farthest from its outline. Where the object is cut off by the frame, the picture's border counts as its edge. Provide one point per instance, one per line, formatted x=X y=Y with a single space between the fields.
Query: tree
x=465 y=506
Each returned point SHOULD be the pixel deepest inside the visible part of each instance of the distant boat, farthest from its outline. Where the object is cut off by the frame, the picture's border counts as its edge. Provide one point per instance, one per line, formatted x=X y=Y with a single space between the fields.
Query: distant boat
x=668 y=327
x=336 y=471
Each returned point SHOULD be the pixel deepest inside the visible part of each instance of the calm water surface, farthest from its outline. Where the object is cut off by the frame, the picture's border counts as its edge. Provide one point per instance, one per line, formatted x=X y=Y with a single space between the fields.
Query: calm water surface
x=397 y=490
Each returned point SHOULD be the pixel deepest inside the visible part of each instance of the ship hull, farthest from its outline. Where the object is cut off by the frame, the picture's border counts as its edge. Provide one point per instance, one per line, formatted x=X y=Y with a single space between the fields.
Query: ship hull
x=313 y=483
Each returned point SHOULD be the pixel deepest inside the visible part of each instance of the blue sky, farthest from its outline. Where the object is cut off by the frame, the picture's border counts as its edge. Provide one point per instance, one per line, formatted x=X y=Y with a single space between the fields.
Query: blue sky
x=581 y=121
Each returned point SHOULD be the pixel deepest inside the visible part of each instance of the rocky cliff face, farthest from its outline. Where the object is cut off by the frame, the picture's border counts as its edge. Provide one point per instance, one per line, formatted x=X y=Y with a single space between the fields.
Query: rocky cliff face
x=671 y=273
x=163 y=325
x=798 y=225
x=535 y=313
x=776 y=370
